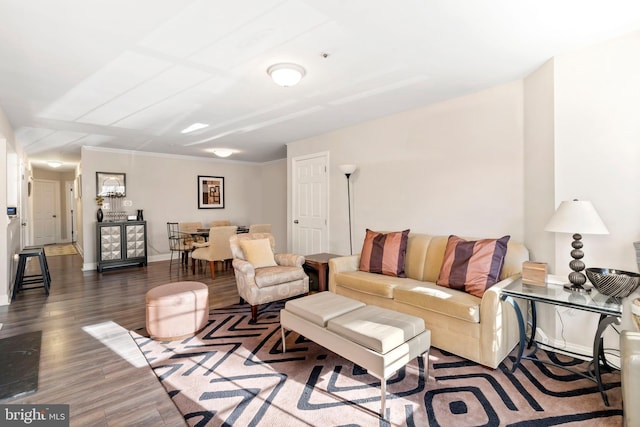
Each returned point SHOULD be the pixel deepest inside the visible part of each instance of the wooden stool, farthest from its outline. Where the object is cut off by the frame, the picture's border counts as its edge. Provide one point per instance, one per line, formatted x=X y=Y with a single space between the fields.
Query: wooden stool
x=177 y=310
x=21 y=280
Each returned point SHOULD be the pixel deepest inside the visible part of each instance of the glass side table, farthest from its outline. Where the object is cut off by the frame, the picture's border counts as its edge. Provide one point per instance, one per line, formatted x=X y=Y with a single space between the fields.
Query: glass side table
x=609 y=309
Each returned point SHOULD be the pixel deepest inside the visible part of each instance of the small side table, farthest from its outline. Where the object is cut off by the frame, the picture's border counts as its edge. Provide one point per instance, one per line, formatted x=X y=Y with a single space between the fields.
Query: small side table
x=320 y=264
x=609 y=309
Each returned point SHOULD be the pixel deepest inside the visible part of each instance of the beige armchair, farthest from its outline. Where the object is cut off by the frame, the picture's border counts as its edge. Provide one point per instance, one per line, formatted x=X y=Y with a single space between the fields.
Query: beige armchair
x=216 y=249
x=263 y=277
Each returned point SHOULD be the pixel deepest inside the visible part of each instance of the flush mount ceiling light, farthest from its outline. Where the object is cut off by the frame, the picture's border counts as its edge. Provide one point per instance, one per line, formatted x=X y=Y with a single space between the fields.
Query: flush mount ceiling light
x=286 y=74
x=54 y=164
x=222 y=152
x=194 y=127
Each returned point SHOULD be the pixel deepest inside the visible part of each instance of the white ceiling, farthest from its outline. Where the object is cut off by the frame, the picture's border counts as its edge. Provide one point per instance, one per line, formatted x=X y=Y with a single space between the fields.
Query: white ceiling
x=132 y=74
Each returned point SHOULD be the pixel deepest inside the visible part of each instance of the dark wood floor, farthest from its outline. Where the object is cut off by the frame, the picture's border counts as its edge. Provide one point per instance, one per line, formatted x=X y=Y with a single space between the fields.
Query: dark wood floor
x=88 y=359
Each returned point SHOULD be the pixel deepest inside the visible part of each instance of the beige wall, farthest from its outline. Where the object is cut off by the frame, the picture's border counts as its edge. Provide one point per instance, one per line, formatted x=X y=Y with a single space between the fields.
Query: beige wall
x=165 y=187
x=455 y=167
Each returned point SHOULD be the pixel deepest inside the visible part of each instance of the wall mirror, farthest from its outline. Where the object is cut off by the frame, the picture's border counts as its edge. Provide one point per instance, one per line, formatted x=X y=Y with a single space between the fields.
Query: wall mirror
x=111 y=184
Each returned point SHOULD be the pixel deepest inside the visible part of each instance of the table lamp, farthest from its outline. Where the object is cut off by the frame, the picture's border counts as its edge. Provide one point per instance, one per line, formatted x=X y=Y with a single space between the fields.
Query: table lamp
x=578 y=217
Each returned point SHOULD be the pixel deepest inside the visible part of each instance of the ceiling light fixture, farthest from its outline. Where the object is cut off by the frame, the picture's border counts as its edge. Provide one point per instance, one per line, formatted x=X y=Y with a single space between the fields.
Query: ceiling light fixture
x=194 y=127
x=222 y=152
x=54 y=164
x=286 y=74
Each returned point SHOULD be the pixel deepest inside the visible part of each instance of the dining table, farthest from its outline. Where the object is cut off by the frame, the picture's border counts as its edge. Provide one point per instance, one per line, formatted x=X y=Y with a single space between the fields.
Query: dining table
x=204 y=232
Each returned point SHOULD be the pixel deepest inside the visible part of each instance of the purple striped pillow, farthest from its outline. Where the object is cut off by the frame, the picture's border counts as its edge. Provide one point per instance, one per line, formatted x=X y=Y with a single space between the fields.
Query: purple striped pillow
x=384 y=253
x=472 y=266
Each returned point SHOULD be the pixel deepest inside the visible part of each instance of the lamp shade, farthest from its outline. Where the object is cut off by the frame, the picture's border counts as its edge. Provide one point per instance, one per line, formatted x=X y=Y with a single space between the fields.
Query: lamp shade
x=286 y=74
x=576 y=216
x=222 y=152
x=348 y=169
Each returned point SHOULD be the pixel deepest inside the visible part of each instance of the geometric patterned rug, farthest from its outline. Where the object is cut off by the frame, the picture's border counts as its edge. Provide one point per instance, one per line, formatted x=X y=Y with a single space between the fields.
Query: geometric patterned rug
x=234 y=373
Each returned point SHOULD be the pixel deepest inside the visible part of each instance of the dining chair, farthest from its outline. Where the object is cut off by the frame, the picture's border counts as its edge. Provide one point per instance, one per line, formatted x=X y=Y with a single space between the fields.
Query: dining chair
x=216 y=249
x=260 y=228
x=179 y=242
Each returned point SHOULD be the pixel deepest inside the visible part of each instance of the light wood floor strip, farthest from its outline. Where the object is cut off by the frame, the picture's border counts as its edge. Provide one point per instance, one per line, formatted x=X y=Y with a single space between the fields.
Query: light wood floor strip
x=88 y=359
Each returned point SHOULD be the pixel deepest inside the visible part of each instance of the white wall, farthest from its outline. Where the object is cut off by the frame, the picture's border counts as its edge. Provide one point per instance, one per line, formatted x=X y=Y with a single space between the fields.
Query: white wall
x=9 y=228
x=582 y=140
x=597 y=103
x=165 y=187
x=451 y=168
x=539 y=177
x=273 y=184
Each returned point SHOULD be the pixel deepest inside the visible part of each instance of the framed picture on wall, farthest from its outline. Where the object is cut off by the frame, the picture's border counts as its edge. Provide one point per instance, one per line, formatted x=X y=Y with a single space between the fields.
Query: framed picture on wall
x=111 y=184
x=210 y=192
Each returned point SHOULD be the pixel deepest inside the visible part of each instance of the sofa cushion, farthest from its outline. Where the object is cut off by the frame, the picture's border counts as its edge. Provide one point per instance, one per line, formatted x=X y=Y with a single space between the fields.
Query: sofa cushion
x=450 y=302
x=384 y=253
x=368 y=283
x=472 y=266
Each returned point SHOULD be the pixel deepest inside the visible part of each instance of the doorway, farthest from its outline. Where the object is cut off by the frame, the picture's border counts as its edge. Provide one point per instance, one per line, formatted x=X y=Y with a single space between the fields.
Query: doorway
x=46 y=208
x=310 y=230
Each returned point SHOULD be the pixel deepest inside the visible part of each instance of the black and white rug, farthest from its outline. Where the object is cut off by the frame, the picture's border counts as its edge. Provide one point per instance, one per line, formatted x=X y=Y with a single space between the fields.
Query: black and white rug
x=234 y=373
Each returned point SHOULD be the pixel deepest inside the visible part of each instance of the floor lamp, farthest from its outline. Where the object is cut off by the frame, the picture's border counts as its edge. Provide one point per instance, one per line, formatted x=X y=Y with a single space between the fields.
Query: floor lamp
x=348 y=170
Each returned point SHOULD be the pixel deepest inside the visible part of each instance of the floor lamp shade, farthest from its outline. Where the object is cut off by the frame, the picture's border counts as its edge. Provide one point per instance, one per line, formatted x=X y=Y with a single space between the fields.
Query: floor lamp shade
x=577 y=217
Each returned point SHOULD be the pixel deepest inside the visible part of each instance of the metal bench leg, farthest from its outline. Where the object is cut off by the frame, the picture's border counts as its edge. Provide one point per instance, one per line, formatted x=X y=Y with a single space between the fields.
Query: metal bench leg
x=383 y=397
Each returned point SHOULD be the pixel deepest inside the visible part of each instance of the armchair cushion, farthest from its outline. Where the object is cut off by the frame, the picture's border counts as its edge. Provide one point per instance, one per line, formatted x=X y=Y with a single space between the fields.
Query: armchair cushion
x=271 y=276
x=258 y=252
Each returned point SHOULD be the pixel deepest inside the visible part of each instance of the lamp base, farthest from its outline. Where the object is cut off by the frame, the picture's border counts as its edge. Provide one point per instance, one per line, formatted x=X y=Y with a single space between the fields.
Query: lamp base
x=578 y=289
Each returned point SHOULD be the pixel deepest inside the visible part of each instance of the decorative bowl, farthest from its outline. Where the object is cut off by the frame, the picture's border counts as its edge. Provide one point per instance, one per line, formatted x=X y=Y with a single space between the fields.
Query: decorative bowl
x=613 y=283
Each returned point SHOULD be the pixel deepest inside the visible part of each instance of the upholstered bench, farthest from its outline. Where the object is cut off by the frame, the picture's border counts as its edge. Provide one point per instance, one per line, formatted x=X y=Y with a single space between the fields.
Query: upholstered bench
x=177 y=310
x=377 y=339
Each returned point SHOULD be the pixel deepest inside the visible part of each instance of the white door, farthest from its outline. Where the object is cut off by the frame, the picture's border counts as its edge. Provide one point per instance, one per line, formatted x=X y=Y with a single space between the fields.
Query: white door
x=310 y=229
x=46 y=195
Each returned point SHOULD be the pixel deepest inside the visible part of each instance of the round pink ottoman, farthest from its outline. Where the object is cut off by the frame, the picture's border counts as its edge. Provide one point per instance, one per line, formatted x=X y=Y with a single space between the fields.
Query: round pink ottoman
x=177 y=310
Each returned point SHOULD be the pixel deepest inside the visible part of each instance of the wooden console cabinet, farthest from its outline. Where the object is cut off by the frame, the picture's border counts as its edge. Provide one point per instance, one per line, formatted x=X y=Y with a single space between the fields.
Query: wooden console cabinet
x=121 y=244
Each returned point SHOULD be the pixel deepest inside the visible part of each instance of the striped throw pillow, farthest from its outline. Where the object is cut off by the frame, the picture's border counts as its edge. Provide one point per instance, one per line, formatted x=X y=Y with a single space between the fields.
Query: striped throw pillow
x=384 y=253
x=472 y=266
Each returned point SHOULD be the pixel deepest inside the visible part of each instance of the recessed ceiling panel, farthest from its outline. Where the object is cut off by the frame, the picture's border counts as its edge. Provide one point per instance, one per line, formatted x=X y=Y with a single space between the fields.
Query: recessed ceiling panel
x=202 y=23
x=154 y=90
x=53 y=141
x=28 y=135
x=276 y=27
x=119 y=76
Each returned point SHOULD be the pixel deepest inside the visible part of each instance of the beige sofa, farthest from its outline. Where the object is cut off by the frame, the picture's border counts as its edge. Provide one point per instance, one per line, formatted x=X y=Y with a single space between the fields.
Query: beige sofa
x=483 y=330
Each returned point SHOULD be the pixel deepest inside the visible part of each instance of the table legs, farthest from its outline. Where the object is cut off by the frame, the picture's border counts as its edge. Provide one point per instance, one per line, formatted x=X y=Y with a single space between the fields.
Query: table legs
x=599 y=360
x=598 y=351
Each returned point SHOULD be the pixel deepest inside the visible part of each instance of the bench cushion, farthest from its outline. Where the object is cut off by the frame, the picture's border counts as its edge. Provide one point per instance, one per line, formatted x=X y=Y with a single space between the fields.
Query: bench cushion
x=321 y=307
x=376 y=328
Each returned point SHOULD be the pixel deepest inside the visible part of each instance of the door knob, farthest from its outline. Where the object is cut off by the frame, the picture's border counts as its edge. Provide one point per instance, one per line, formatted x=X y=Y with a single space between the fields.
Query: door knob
x=296 y=221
